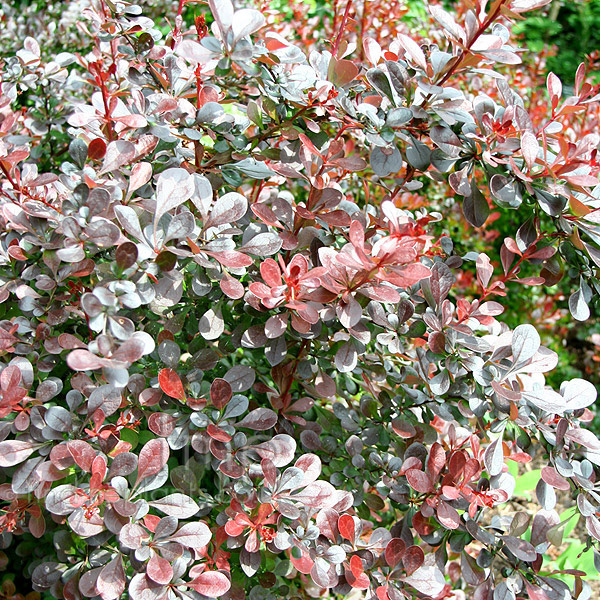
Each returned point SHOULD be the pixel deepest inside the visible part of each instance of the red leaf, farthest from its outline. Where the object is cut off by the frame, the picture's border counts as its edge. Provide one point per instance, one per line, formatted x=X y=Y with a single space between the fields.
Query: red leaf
x=97 y=149
x=551 y=477
x=231 y=258
x=216 y=433
x=220 y=393
x=360 y=581
x=394 y=551
x=436 y=461
x=419 y=481
x=341 y=72
x=346 y=527
x=171 y=385
x=83 y=454
x=413 y=559
x=162 y=424
x=153 y=457
x=448 y=516
x=356 y=566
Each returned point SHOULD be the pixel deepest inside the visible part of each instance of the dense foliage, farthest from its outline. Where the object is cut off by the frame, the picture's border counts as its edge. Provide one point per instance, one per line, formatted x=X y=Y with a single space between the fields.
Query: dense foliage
x=261 y=334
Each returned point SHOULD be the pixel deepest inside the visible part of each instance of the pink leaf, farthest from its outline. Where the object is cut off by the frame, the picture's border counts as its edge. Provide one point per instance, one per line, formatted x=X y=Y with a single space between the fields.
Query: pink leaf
x=159 y=569
x=153 y=457
x=193 y=535
x=13 y=452
x=118 y=153
x=529 y=148
x=111 y=580
x=83 y=454
x=231 y=287
x=211 y=583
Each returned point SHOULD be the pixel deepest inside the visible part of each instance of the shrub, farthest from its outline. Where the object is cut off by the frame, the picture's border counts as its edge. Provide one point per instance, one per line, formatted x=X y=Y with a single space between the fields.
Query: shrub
x=241 y=355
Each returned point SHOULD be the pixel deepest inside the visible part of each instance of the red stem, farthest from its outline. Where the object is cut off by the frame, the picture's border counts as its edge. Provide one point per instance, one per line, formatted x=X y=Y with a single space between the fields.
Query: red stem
x=175 y=33
x=23 y=191
x=342 y=27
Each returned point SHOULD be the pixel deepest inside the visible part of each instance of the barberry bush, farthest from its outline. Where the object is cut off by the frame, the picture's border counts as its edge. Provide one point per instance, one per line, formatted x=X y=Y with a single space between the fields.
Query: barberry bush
x=242 y=354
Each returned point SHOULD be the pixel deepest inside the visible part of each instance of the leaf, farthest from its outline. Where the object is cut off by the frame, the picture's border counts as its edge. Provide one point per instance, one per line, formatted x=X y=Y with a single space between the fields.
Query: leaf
x=578 y=393
x=448 y=516
x=174 y=187
x=394 y=551
x=192 y=535
x=341 y=72
x=222 y=11
x=159 y=569
x=413 y=50
x=83 y=454
x=346 y=358
x=220 y=393
x=97 y=149
x=231 y=287
x=412 y=559
x=530 y=148
x=84 y=360
x=522 y=549
x=263 y=244
x=418 y=155
x=525 y=343
x=552 y=478
x=385 y=161
x=521 y=6
x=240 y=377
x=419 y=481
x=554 y=85
x=446 y=20
x=260 y=419
x=505 y=191
x=126 y=255
x=380 y=81
x=58 y=418
x=346 y=527
x=246 y=21
x=227 y=209
x=111 y=580
x=427 y=579
x=153 y=457
x=13 y=452
x=170 y=383
x=211 y=583
x=578 y=306
x=211 y=324
x=140 y=175
x=475 y=207
x=176 y=505
x=493 y=458
x=118 y=153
